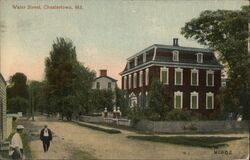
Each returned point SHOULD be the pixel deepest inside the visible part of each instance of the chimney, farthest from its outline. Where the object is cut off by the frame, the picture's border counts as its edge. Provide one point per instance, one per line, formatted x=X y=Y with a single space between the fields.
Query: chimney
x=103 y=72
x=175 y=42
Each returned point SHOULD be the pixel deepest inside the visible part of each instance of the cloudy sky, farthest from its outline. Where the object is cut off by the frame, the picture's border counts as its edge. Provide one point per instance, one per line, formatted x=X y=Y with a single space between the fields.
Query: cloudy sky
x=105 y=32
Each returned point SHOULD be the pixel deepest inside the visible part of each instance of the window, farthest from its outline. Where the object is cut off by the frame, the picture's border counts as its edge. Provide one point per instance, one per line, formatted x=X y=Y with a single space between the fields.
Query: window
x=125 y=82
x=178 y=76
x=129 y=82
x=146 y=77
x=194 y=100
x=135 y=80
x=164 y=75
x=194 y=77
x=209 y=100
x=178 y=100
x=175 y=55
x=136 y=61
x=146 y=99
x=128 y=65
x=199 y=57
x=144 y=57
x=140 y=79
x=97 y=85
x=109 y=85
x=210 y=78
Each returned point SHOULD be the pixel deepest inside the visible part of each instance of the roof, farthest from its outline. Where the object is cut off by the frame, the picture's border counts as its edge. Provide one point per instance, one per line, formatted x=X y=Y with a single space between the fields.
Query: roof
x=1 y=76
x=170 y=47
x=112 y=79
x=162 y=57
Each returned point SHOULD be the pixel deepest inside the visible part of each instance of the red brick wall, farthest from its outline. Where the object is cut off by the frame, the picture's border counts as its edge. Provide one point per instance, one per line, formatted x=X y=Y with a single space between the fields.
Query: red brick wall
x=186 y=88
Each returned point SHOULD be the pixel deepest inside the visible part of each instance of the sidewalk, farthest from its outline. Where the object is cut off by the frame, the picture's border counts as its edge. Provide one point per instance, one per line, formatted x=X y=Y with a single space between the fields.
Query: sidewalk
x=242 y=135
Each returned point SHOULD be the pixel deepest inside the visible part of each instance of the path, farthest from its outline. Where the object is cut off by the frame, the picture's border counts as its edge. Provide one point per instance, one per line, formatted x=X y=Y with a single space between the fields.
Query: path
x=69 y=136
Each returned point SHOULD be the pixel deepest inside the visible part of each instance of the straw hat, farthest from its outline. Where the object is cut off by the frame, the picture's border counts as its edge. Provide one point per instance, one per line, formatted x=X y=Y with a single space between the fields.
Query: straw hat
x=19 y=127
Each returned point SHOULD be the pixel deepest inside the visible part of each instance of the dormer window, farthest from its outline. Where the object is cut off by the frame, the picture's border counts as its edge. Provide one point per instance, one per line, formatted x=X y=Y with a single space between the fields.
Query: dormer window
x=128 y=65
x=144 y=57
x=136 y=61
x=199 y=58
x=175 y=55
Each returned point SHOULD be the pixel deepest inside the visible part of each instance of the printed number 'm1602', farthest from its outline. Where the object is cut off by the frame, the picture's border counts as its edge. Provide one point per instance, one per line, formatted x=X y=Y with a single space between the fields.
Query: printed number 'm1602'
x=78 y=7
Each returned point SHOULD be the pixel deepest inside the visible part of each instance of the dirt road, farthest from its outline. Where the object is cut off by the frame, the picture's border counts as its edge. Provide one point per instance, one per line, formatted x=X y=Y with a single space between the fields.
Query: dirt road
x=69 y=136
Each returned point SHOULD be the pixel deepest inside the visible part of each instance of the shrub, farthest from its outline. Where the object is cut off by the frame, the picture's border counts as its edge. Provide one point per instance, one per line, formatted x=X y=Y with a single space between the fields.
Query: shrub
x=178 y=115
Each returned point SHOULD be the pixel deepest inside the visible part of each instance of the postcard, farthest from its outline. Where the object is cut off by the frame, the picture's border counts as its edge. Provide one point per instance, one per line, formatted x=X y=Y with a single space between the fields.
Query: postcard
x=124 y=79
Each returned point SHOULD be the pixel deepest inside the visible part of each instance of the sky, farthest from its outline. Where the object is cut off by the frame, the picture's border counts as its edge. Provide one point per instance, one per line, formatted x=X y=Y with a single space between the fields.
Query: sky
x=105 y=32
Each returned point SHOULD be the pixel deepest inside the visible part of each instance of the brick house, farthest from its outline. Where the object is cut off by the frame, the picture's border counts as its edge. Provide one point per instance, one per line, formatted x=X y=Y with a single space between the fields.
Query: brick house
x=191 y=77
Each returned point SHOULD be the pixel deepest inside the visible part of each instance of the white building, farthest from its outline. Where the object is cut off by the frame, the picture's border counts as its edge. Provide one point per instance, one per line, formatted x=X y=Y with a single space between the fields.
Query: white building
x=104 y=81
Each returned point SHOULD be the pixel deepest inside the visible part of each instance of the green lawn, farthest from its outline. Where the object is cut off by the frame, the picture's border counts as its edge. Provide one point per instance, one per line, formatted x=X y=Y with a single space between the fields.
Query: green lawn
x=79 y=155
x=207 y=142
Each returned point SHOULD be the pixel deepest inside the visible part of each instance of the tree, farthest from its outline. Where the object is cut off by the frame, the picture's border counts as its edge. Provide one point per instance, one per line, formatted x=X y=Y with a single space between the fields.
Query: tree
x=157 y=105
x=18 y=104
x=17 y=93
x=101 y=99
x=121 y=101
x=227 y=32
x=66 y=79
x=18 y=86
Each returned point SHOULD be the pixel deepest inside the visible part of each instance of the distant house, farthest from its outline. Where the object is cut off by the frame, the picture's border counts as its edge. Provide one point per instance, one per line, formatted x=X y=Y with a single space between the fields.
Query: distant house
x=3 y=117
x=104 y=81
x=191 y=77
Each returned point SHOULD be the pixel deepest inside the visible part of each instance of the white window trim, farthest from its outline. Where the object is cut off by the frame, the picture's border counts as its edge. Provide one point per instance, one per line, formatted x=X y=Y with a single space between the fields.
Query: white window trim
x=195 y=71
x=144 y=57
x=146 y=77
x=128 y=66
x=129 y=82
x=178 y=70
x=136 y=61
x=140 y=79
x=177 y=55
x=197 y=100
x=207 y=95
x=164 y=69
x=199 y=54
x=178 y=93
x=135 y=80
x=125 y=82
x=210 y=72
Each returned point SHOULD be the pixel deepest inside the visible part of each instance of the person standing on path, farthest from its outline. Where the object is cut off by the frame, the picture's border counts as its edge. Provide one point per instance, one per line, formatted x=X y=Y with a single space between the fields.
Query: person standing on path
x=16 y=146
x=46 y=137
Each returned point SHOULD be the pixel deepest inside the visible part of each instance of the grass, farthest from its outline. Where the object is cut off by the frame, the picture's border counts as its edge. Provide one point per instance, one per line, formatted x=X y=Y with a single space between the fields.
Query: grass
x=132 y=129
x=110 y=131
x=26 y=148
x=79 y=155
x=206 y=142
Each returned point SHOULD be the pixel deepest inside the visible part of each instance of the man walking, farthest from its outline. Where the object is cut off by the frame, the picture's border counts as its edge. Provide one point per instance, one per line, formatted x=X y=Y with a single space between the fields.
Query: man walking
x=46 y=137
x=16 y=147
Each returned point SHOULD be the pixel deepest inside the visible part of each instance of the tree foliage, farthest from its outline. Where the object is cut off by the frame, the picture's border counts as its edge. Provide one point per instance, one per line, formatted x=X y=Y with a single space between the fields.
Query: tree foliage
x=18 y=86
x=18 y=104
x=67 y=81
x=17 y=93
x=157 y=104
x=122 y=101
x=101 y=99
x=227 y=32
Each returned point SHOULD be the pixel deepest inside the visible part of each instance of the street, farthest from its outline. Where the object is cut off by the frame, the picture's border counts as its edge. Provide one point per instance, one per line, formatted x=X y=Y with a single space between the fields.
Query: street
x=70 y=137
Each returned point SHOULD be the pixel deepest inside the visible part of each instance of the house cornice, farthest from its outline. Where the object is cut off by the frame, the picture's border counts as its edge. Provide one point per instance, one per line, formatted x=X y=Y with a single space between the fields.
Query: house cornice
x=178 y=48
x=171 y=64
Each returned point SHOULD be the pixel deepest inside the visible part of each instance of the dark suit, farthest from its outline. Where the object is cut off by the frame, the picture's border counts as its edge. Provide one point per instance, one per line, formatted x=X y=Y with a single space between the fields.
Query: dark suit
x=46 y=139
